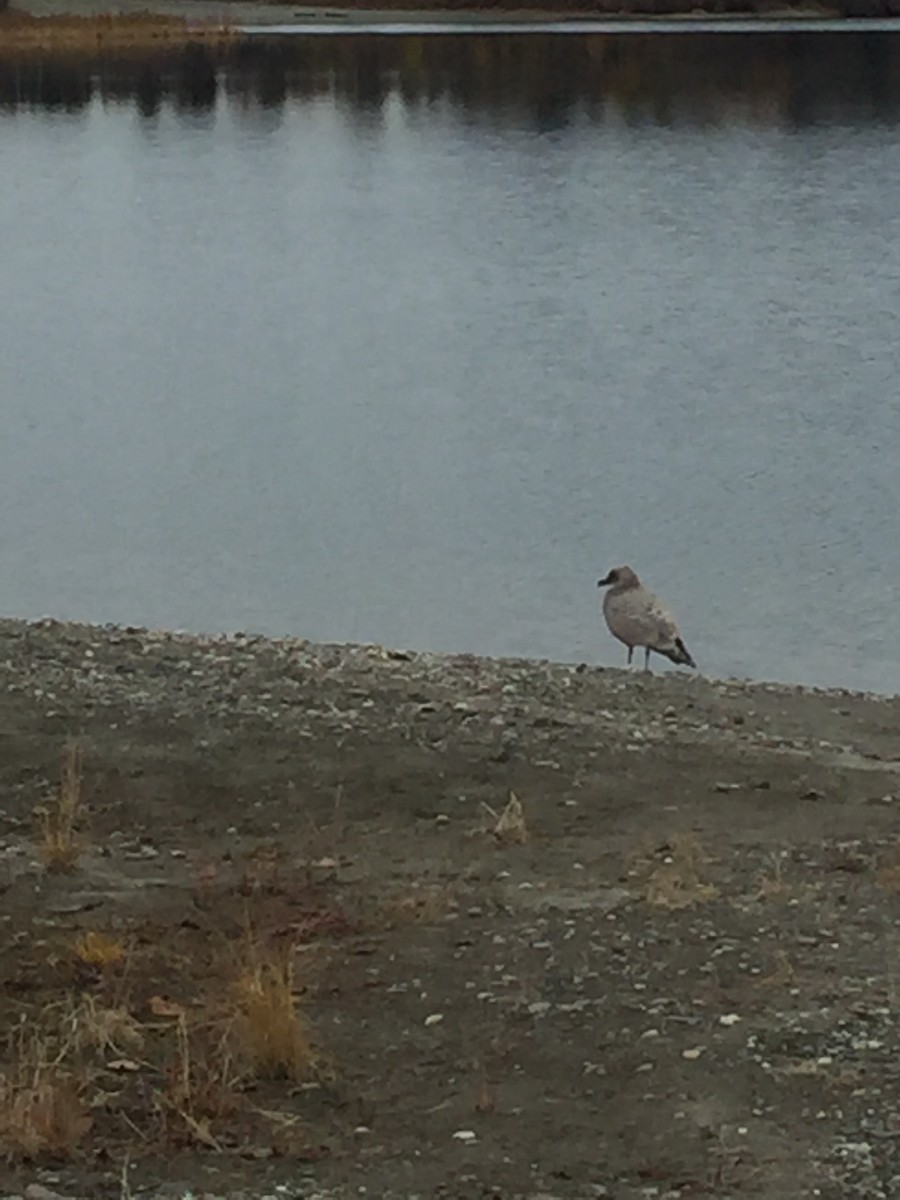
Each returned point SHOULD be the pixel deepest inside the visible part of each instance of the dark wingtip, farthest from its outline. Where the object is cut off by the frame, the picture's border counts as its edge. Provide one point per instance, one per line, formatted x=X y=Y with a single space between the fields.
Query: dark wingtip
x=688 y=660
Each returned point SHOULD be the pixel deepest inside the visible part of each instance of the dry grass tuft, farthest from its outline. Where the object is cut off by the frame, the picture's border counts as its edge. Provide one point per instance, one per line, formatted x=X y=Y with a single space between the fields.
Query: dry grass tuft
x=60 y=846
x=200 y=1085
x=106 y=1029
x=511 y=825
x=783 y=974
x=888 y=873
x=98 y=950
x=486 y=1099
x=269 y=1033
x=420 y=905
x=771 y=884
x=56 y=1058
x=508 y=826
x=261 y=870
x=678 y=882
x=42 y=1104
x=889 y=878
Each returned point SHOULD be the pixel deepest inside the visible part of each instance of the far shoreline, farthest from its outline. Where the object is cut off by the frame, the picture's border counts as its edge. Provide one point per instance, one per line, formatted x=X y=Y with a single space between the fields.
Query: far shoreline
x=134 y=22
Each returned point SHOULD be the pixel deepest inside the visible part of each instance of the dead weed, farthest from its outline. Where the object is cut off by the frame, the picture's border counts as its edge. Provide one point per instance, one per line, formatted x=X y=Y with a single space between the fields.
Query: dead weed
x=770 y=883
x=269 y=1033
x=419 y=904
x=100 y=951
x=43 y=1105
x=782 y=975
x=60 y=845
x=200 y=1085
x=510 y=825
x=677 y=882
x=888 y=872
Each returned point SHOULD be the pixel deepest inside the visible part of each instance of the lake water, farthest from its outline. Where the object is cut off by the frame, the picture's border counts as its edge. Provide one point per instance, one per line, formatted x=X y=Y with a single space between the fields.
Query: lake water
x=410 y=339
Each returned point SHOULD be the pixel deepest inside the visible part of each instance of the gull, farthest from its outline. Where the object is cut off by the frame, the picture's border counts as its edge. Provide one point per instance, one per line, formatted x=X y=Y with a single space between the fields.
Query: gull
x=637 y=618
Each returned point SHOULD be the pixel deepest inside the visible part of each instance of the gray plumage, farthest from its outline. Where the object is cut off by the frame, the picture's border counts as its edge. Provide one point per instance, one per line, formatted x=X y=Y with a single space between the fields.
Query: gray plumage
x=638 y=618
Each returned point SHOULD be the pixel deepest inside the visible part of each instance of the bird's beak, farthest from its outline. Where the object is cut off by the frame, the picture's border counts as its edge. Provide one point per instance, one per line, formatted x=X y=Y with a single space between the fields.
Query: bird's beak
x=603 y=582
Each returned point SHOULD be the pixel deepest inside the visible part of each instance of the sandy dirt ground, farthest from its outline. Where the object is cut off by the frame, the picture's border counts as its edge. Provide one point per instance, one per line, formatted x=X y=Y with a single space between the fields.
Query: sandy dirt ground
x=675 y=976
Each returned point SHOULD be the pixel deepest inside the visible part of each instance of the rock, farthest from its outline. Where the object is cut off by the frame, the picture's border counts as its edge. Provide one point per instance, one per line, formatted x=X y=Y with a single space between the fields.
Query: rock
x=37 y=1191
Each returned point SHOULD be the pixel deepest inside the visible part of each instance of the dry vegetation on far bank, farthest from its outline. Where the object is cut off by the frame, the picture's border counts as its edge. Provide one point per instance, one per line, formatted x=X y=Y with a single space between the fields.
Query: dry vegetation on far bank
x=21 y=30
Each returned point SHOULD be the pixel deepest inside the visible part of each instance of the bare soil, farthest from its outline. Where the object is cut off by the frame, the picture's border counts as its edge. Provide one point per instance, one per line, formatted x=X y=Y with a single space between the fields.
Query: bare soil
x=682 y=982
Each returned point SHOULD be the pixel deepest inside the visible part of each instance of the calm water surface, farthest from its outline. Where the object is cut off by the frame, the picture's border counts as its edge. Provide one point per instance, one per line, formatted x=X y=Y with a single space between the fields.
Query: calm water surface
x=409 y=339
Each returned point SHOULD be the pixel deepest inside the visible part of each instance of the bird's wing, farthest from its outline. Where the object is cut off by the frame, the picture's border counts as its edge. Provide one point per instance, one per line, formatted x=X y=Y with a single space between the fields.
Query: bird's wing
x=661 y=622
x=637 y=618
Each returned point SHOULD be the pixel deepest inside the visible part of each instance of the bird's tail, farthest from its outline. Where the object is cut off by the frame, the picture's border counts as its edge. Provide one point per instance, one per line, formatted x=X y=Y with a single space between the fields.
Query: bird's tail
x=679 y=653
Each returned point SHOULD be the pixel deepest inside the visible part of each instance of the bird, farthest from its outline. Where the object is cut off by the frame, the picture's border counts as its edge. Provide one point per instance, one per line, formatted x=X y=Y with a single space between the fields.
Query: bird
x=637 y=618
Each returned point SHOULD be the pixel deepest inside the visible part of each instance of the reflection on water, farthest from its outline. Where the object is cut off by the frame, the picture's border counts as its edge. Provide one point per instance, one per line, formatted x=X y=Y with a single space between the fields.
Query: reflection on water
x=789 y=78
x=408 y=340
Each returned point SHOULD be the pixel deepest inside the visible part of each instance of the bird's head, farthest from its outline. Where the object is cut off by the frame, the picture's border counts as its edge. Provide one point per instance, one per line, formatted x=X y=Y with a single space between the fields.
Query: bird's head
x=619 y=577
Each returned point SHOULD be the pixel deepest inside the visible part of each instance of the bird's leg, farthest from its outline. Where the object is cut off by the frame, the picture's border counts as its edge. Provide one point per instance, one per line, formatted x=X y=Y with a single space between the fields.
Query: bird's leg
x=646 y=658
x=630 y=652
